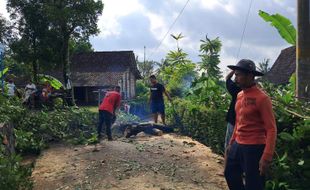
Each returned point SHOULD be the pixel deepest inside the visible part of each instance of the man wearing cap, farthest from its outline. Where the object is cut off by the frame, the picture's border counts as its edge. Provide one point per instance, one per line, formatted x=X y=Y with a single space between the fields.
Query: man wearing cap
x=253 y=141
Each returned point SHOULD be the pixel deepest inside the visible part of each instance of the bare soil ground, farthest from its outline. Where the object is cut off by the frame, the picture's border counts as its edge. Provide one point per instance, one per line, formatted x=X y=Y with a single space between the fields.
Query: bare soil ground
x=168 y=162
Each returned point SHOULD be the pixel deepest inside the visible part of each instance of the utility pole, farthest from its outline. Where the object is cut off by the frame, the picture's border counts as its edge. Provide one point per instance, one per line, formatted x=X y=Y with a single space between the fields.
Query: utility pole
x=144 y=56
x=303 y=50
x=144 y=66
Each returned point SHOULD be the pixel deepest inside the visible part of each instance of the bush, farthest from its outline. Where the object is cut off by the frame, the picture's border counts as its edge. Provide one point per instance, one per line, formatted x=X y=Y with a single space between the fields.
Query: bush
x=203 y=123
x=13 y=175
x=291 y=166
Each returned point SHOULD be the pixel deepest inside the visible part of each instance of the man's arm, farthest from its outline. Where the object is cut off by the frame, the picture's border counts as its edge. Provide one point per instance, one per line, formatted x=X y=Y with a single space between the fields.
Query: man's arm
x=271 y=134
x=117 y=104
x=168 y=95
x=229 y=75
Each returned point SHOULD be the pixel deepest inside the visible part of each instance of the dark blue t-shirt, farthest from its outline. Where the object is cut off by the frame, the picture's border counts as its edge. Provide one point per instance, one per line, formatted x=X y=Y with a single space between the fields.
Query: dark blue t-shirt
x=233 y=90
x=157 y=91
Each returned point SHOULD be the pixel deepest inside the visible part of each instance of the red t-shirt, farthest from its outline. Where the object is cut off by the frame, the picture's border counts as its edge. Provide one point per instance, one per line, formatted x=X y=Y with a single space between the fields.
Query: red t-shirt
x=110 y=102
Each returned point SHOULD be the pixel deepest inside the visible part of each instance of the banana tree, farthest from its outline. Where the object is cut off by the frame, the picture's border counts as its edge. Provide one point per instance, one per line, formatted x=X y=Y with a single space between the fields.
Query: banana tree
x=284 y=26
x=55 y=83
x=2 y=73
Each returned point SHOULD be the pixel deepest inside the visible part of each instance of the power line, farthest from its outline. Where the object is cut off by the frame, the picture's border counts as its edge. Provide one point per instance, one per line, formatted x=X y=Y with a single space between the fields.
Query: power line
x=244 y=27
x=175 y=20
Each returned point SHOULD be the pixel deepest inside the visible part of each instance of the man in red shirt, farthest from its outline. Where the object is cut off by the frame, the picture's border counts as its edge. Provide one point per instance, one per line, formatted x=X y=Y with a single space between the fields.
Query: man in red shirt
x=107 y=109
x=253 y=141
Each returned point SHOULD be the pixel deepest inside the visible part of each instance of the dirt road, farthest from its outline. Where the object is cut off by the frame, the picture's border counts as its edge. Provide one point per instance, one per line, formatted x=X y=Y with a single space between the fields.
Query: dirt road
x=167 y=162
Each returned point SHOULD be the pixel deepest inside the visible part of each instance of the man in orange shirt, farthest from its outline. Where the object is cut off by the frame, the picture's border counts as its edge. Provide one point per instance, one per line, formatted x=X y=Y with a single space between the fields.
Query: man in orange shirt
x=107 y=109
x=252 y=145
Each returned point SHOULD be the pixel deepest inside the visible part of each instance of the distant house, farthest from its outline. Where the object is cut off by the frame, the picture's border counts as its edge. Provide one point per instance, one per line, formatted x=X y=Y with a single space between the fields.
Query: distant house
x=95 y=71
x=283 y=68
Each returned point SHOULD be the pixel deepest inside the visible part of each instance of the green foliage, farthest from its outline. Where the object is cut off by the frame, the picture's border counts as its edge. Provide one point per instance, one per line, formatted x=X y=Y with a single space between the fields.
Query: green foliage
x=11 y=110
x=210 y=57
x=201 y=122
x=72 y=19
x=177 y=72
x=46 y=29
x=202 y=111
x=291 y=168
x=13 y=175
x=55 y=83
x=263 y=66
x=3 y=72
x=146 y=68
x=139 y=106
x=34 y=129
x=284 y=26
x=6 y=31
x=80 y=46
x=141 y=89
x=123 y=118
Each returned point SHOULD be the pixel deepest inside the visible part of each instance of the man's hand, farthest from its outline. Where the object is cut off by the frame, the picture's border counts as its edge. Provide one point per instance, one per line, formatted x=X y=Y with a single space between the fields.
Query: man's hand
x=229 y=75
x=263 y=166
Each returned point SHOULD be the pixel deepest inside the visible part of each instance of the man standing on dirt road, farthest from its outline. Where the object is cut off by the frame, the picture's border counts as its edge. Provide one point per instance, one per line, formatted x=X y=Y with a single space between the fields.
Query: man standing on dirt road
x=233 y=89
x=157 y=99
x=252 y=145
x=110 y=103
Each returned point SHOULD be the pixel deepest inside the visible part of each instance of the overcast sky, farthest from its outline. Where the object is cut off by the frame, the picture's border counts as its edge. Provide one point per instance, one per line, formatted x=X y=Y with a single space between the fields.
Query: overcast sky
x=133 y=24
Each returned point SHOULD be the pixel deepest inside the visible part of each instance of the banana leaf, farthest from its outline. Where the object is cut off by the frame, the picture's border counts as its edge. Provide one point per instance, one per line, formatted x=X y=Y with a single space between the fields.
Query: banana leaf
x=284 y=26
x=55 y=83
x=5 y=70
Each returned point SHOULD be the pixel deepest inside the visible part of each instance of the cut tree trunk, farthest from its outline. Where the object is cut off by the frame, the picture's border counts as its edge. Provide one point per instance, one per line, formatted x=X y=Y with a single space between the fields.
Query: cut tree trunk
x=129 y=130
x=8 y=138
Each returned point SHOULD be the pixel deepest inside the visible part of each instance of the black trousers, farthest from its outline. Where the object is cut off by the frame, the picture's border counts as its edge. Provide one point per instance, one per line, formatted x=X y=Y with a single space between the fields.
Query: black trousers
x=244 y=159
x=106 y=118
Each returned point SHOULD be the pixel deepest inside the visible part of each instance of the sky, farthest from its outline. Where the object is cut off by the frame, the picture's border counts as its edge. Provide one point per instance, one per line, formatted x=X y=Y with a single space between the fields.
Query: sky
x=133 y=24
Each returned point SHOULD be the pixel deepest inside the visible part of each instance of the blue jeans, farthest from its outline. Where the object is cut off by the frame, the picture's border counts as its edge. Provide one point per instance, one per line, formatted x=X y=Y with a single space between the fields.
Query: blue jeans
x=229 y=132
x=244 y=159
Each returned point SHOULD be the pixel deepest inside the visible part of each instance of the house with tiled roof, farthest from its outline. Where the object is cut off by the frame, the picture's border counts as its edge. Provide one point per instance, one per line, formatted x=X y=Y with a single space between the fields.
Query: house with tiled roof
x=97 y=71
x=283 y=68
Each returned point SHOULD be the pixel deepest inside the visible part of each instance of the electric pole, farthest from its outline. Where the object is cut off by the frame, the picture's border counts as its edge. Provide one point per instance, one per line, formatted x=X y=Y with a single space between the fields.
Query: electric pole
x=303 y=50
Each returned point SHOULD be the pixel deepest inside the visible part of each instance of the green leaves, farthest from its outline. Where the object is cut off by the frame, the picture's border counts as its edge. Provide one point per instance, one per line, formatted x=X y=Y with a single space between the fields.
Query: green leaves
x=177 y=37
x=14 y=175
x=286 y=136
x=210 y=58
x=2 y=73
x=55 y=83
x=282 y=24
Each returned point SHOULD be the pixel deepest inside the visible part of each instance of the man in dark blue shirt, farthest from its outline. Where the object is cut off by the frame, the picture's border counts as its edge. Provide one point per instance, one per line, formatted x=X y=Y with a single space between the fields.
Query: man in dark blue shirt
x=157 y=99
x=233 y=90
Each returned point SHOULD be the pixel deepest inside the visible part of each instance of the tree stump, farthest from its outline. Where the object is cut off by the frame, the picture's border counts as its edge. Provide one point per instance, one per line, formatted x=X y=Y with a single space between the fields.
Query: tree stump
x=7 y=138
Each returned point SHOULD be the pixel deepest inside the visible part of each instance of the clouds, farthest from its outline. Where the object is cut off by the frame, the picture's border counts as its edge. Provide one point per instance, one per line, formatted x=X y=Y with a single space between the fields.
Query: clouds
x=145 y=23
x=133 y=24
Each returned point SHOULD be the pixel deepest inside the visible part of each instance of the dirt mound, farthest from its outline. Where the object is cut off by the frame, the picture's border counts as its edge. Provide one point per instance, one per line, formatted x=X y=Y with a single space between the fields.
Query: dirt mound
x=165 y=162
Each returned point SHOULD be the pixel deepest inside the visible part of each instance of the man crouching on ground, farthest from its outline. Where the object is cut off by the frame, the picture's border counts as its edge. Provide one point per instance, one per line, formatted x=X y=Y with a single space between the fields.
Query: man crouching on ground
x=252 y=145
x=107 y=110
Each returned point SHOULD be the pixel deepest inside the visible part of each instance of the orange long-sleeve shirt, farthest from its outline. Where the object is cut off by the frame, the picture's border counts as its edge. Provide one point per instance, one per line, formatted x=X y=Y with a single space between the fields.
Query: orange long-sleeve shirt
x=255 y=122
